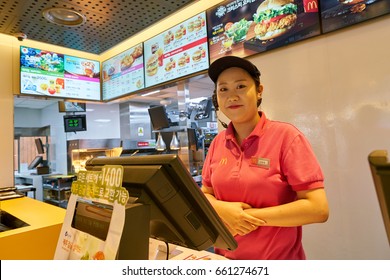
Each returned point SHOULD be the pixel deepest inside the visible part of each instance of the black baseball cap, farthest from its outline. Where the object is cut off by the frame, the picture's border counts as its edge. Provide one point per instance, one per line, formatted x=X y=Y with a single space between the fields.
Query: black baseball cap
x=223 y=63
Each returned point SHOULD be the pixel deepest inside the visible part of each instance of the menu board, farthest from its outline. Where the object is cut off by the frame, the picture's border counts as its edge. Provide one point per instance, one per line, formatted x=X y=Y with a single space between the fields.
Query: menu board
x=246 y=27
x=336 y=14
x=177 y=52
x=124 y=73
x=58 y=75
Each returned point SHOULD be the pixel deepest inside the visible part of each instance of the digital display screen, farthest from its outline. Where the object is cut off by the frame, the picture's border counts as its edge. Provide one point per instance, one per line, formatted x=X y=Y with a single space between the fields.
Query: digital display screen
x=93 y=219
x=177 y=52
x=336 y=14
x=123 y=73
x=53 y=74
x=247 y=27
x=74 y=123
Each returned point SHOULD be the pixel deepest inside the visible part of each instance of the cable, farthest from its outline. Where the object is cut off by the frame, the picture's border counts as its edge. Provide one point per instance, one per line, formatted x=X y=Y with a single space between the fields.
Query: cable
x=223 y=123
x=166 y=244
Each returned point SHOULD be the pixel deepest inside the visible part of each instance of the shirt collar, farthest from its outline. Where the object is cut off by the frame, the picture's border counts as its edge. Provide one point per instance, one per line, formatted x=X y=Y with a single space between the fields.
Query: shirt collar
x=257 y=131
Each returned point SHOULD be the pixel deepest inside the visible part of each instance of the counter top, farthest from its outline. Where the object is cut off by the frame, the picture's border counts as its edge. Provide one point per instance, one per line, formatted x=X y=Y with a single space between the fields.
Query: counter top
x=39 y=239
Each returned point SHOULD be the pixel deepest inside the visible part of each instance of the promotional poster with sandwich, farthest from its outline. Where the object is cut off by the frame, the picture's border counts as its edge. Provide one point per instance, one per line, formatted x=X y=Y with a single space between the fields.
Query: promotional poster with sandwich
x=246 y=27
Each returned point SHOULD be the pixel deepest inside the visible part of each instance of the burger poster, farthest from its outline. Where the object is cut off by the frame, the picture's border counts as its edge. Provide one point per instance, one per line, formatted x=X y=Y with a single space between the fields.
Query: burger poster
x=177 y=52
x=336 y=14
x=58 y=75
x=123 y=73
x=246 y=27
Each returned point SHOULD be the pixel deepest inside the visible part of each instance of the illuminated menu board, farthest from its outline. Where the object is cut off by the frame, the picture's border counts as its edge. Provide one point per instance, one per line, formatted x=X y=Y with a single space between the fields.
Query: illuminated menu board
x=124 y=73
x=247 y=27
x=336 y=14
x=177 y=52
x=58 y=75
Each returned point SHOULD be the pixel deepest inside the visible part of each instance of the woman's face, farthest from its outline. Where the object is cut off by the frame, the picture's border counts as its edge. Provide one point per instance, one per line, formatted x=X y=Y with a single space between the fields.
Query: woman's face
x=237 y=95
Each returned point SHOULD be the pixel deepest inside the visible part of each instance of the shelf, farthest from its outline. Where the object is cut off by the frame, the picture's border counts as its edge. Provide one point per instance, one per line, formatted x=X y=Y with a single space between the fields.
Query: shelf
x=57 y=190
x=46 y=186
x=171 y=129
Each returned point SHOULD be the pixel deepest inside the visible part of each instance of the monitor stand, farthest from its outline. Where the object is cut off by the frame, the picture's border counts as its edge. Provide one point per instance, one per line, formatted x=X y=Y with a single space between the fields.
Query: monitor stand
x=134 y=243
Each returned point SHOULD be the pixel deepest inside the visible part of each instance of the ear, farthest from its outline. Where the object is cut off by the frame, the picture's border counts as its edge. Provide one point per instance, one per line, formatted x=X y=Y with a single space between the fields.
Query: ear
x=260 y=91
x=214 y=100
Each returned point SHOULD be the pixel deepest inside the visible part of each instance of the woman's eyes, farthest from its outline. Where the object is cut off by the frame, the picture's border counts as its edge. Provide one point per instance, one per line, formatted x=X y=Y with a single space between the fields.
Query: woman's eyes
x=241 y=86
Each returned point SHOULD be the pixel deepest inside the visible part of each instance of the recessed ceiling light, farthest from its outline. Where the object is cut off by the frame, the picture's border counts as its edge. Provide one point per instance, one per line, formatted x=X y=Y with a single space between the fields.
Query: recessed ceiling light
x=64 y=16
x=150 y=93
x=102 y=120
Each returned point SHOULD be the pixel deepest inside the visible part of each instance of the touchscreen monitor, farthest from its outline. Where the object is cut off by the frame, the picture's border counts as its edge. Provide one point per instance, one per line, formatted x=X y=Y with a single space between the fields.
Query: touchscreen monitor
x=179 y=211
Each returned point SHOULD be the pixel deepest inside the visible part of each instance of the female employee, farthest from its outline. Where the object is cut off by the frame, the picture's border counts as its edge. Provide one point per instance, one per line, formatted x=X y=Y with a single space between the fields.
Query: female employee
x=261 y=176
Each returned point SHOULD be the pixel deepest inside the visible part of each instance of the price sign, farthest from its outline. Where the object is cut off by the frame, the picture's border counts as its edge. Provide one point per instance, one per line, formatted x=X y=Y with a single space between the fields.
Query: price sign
x=105 y=184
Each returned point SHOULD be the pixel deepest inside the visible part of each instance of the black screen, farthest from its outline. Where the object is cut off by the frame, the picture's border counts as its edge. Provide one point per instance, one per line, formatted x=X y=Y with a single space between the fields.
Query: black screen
x=92 y=218
x=39 y=145
x=35 y=162
x=179 y=211
x=158 y=117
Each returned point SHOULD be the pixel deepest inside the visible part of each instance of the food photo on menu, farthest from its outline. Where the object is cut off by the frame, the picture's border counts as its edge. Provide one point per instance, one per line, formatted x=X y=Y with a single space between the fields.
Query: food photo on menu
x=49 y=73
x=336 y=14
x=123 y=73
x=78 y=67
x=246 y=27
x=177 y=52
x=39 y=70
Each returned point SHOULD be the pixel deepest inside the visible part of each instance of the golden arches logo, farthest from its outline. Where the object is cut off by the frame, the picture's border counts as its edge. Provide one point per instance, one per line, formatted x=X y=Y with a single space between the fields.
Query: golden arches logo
x=223 y=161
x=312 y=5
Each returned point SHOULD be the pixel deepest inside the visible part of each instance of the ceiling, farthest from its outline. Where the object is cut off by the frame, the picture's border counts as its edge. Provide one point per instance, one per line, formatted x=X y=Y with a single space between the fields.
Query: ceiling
x=108 y=22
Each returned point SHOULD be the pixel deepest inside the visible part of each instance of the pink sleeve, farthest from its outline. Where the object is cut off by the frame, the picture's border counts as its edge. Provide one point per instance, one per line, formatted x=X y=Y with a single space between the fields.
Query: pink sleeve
x=301 y=167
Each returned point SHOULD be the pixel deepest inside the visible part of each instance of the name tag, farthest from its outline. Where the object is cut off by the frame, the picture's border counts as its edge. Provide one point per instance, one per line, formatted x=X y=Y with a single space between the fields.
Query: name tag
x=261 y=162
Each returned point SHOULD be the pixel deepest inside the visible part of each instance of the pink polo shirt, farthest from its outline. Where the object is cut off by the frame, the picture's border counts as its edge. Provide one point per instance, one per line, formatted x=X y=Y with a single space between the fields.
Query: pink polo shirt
x=273 y=162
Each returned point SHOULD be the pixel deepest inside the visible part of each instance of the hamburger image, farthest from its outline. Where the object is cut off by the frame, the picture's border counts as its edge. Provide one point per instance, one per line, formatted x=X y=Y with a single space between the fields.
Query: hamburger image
x=152 y=65
x=168 y=66
x=182 y=61
x=197 y=24
x=274 y=18
x=196 y=56
x=179 y=34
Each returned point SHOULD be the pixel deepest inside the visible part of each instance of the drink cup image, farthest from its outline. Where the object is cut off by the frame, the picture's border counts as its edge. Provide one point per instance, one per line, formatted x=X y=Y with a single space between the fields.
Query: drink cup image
x=58 y=88
x=227 y=44
x=88 y=68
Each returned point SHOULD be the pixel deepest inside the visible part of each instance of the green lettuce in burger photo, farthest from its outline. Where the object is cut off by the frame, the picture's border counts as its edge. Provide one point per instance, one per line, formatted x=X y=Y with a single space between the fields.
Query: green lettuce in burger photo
x=274 y=18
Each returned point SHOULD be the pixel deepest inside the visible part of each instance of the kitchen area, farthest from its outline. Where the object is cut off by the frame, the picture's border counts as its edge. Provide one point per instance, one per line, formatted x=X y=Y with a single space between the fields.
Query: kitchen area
x=117 y=128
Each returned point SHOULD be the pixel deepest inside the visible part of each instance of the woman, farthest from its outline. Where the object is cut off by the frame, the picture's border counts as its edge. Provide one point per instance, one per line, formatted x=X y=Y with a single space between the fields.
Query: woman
x=261 y=176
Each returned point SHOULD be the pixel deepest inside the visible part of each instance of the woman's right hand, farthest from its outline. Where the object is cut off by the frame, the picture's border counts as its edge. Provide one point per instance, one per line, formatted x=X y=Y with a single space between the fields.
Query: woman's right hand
x=235 y=218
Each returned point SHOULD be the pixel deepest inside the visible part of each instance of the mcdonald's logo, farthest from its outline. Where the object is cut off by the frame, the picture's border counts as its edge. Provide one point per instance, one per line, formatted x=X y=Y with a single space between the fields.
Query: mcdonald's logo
x=311 y=6
x=223 y=161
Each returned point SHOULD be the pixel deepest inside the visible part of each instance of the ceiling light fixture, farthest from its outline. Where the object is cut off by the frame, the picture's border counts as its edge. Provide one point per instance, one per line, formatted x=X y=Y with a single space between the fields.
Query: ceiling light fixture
x=64 y=16
x=150 y=93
